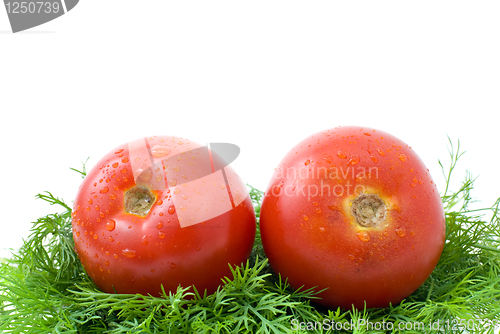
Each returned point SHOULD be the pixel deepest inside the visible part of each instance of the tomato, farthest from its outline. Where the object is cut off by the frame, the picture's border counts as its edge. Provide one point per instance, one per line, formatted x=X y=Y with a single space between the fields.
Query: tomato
x=162 y=211
x=354 y=211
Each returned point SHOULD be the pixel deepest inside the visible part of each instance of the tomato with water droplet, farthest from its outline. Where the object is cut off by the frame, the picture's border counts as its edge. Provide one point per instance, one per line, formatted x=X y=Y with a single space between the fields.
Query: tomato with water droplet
x=380 y=227
x=141 y=249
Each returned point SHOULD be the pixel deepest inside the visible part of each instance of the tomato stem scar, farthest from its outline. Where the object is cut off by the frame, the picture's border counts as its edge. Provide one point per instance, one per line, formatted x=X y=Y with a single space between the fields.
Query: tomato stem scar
x=139 y=200
x=369 y=210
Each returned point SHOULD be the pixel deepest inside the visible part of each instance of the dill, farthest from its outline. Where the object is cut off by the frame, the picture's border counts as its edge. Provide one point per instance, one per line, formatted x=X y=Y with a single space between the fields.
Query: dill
x=44 y=289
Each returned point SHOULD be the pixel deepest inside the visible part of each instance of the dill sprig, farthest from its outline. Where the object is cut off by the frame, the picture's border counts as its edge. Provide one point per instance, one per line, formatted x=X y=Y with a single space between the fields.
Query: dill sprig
x=44 y=288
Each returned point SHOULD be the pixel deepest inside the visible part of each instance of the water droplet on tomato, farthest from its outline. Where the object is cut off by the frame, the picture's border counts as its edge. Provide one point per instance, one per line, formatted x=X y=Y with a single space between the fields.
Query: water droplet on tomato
x=380 y=152
x=158 y=178
x=129 y=253
x=351 y=257
x=77 y=233
x=119 y=151
x=161 y=235
x=160 y=151
x=159 y=202
x=173 y=265
x=305 y=217
x=278 y=187
x=110 y=225
x=172 y=182
x=115 y=165
x=176 y=169
x=401 y=232
x=177 y=191
x=90 y=201
x=104 y=190
x=353 y=160
x=322 y=229
x=125 y=160
x=183 y=208
x=145 y=240
x=111 y=239
x=307 y=162
x=402 y=157
x=333 y=207
x=374 y=159
x=363 y=236
x=222 y=186
x=198 y=248
x=341 y=155
x=171 y=209
x=145 y=175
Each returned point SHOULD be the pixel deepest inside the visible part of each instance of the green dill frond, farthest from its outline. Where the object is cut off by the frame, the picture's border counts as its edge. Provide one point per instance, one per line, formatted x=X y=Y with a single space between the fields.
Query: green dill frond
x=257 y=196
x=82 y=172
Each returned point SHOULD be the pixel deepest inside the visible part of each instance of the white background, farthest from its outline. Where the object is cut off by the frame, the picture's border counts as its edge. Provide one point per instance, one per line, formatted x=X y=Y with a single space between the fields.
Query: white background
x=260 y=74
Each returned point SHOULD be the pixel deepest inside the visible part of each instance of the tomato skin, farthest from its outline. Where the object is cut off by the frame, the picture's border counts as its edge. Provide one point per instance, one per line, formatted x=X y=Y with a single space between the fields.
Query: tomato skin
x=311 y=236
x=127 y=253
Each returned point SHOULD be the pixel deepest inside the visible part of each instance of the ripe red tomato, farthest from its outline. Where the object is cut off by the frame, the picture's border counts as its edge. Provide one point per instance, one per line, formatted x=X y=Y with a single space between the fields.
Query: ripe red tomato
x=353 y=210
x=155 y=212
